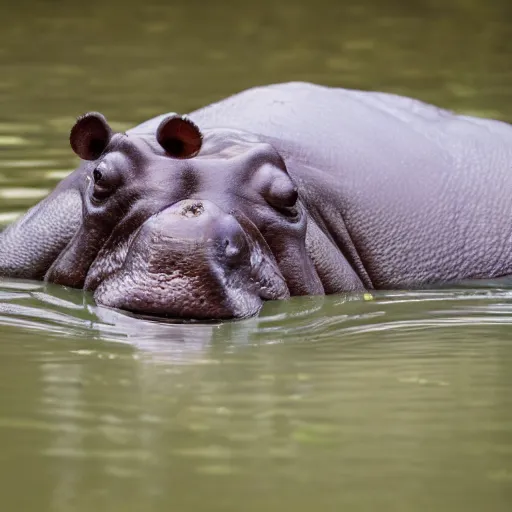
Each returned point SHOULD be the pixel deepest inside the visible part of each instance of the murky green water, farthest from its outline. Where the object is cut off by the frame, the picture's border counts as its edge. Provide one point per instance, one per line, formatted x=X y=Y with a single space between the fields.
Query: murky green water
x=403 y=402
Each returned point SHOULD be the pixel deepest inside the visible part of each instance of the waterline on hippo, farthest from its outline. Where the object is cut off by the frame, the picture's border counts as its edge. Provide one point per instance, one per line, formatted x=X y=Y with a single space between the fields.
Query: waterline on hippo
x=278 y=191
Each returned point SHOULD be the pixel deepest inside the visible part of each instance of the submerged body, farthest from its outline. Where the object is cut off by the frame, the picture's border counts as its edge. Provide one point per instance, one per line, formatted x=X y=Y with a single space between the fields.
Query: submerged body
x=283 y=190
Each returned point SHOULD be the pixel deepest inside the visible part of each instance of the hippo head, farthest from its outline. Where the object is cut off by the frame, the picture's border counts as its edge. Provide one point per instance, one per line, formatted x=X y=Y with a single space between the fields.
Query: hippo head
x=184 y=224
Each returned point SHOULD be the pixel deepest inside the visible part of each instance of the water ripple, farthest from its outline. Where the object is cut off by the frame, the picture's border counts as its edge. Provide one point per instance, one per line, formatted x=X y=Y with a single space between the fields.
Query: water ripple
x=312 y=319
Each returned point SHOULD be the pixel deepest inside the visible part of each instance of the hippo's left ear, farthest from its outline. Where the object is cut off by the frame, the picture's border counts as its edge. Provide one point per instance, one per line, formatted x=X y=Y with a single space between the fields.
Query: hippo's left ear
x=90 y=136
x=179 y=136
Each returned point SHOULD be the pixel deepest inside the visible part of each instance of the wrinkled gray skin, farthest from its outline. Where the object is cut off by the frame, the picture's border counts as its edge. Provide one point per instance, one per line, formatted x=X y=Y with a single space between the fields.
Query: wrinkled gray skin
x=392 y=193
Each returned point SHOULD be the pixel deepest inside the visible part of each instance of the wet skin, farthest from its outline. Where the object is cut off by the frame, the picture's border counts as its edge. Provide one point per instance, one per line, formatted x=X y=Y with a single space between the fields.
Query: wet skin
x=284 y=190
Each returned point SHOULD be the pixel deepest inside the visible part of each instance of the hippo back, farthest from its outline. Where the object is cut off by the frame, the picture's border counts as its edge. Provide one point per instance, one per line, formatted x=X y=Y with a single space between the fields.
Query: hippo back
x=418 y=193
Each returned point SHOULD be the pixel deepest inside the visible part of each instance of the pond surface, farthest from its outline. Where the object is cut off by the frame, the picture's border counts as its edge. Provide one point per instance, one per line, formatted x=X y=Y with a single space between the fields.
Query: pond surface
x=392 y=401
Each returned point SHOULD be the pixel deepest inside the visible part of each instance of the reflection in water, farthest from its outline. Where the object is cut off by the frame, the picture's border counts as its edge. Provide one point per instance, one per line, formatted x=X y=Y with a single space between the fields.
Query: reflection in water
x=72 y=313
x=315 y=401
x=401 y=402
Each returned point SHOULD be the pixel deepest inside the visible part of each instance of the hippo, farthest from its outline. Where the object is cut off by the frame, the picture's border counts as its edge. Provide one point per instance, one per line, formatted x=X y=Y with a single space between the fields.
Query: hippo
x=277 y=191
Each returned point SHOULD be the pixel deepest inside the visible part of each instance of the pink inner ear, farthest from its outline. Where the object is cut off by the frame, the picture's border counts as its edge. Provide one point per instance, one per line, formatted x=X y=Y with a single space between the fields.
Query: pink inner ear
x=180 y=137
x=90 y=136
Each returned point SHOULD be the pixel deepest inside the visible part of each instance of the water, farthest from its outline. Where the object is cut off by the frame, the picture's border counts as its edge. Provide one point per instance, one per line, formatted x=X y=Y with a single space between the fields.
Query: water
x=397 y=401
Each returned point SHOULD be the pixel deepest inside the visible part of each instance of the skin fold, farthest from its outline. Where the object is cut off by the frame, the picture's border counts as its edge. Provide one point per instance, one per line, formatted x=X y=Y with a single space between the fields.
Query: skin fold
x=283 y=190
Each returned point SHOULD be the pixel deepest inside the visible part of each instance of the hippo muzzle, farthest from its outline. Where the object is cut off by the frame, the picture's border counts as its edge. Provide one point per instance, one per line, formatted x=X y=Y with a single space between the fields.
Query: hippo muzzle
x=192 y=260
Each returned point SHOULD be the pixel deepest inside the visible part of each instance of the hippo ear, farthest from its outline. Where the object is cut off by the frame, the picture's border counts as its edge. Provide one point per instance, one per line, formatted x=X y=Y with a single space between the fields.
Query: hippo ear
x=90 y=136
x=179 y=136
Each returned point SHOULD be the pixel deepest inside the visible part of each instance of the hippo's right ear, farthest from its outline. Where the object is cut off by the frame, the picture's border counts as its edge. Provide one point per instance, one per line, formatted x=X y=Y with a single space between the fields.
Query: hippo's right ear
x=90 y=136
x=179 y=136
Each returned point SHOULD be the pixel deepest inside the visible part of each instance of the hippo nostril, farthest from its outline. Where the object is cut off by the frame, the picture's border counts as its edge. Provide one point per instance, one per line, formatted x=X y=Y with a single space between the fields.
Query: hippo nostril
x=230 y=249
x=234 y=247
x=192 y=210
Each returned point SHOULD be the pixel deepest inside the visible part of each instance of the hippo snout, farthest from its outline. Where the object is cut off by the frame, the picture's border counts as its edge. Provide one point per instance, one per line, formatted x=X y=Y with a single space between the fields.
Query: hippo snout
x=193 y=223
x=194 y=260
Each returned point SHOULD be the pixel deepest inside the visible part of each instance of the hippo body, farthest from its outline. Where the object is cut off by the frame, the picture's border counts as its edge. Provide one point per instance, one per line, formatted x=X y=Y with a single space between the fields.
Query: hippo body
x=294 y=189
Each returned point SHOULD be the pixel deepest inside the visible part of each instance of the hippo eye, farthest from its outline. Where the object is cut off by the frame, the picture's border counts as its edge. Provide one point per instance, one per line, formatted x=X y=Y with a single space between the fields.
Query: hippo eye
x=290 y=199
x=282 y=195
x=106 y=180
